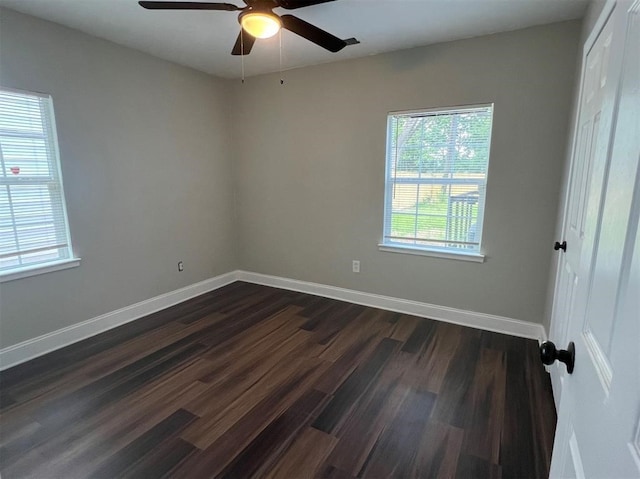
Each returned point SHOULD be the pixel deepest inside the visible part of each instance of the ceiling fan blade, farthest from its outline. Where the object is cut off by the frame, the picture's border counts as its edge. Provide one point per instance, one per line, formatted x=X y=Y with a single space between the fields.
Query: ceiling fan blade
x=244 y=43
x=189 y=6
x=313 y=33
x=293 y=4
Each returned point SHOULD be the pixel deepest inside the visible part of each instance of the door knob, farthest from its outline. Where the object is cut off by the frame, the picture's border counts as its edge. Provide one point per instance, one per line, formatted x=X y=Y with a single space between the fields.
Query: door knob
x=549 y=353
x=562 y=246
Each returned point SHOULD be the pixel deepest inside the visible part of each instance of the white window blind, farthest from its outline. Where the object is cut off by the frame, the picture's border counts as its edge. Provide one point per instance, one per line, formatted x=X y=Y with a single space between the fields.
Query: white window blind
x=436 y=176
x=33 y=221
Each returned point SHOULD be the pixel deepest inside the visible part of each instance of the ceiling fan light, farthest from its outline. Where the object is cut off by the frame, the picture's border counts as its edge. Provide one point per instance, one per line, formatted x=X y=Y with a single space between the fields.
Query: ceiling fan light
x=260 y=25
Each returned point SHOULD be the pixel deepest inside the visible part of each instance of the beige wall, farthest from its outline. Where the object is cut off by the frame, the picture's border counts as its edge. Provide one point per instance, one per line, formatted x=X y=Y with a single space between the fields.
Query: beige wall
x=310 y=167
x=146 y=163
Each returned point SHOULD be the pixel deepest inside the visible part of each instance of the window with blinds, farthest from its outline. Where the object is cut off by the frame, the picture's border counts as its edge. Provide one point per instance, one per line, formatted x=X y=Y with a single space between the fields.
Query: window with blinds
x=33 y=220
x=436 y=176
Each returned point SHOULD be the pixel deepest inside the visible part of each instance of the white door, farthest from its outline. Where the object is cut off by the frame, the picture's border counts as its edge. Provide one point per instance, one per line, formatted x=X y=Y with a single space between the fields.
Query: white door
x=594 y=125
x=597 y=302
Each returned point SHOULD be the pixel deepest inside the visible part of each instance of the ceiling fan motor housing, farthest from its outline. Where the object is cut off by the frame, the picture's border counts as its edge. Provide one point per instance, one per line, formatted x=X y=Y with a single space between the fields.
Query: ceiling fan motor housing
x=259 y=21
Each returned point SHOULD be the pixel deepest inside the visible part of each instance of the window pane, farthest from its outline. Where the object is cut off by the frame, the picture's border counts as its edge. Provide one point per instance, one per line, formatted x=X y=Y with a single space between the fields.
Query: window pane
x=33 y=225
x=25 y=157
x=436 y=175
x=22 y=113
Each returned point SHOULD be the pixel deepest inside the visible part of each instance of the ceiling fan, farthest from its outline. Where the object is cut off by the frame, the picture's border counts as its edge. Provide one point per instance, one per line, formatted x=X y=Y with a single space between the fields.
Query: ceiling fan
x=259 y=21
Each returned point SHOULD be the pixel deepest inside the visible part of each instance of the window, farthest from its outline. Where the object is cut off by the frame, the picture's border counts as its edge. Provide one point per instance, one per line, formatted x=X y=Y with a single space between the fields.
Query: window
x=33 y=221
x=436 y=176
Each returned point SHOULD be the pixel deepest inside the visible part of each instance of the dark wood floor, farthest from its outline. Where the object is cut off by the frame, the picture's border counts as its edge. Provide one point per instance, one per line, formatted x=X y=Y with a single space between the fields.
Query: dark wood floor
x=254 y=381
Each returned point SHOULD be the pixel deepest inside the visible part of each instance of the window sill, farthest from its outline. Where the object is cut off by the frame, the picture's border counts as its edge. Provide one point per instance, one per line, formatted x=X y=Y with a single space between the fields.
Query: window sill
x=473 y=257
x=39 y=269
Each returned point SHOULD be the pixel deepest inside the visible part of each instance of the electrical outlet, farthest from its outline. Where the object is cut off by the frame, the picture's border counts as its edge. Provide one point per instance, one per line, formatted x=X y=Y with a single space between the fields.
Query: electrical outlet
x=180 y=266
x=356 y=266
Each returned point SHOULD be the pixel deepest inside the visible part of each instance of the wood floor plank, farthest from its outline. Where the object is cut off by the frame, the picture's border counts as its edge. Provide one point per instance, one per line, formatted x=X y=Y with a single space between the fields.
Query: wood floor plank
x=109 y=361
x=15 y=448
x=324 y=309
x=267 y=448
x=542 y=411
x=404 y=326
x=365 y=325
x=117 y=464
x=96 y=434
x=15 y=426
x=517 y=457
x=261 y=369
x=72 y=411
x=347 y=363
x=277 y=382
x=161 y=461
x=75 y=356
x=420 y=336
x=331 y=472
x=454 y=397
x=395 y=452
x=305 y=456
x=253 y=381
x=213 y=459
x=439 y=451
x=110 y=389
x=483 y=424
x=259 y=340
x=79 y=449
x=432 y=365
x=336 y=323
x=349 y=393
x=471 y=466
x=361 y=429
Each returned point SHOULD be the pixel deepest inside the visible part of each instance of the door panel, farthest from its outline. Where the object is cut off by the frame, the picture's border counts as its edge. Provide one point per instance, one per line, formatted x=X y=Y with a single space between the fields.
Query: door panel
x=579 y=180
x=576 y=457
x=599 y=411
x=585 y=189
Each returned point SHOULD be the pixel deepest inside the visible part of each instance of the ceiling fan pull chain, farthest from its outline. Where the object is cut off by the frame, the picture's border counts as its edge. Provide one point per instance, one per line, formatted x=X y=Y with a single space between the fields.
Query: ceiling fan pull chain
x=242 y=52
x=281 y=79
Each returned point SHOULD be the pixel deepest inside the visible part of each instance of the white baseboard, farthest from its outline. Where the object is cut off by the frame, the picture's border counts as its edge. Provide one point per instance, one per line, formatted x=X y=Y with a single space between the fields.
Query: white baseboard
x=32 y=348
x=488 y=322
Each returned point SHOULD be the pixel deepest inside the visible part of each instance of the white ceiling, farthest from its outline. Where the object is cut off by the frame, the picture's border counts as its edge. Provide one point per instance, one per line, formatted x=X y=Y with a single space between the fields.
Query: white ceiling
x=203 y=40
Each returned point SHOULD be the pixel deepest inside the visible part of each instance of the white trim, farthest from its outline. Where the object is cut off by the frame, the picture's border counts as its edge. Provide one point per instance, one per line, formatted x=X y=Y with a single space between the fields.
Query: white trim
x=39 y=269
x=597 y=27
x=391 y=180
x=32 y=348
x=449 y=109
x=488 y=322
x=475 y=257
x=18 y=91
x=56 y=149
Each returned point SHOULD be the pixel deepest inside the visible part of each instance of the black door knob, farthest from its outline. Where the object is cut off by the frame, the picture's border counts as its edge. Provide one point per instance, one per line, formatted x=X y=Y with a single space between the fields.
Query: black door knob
x=549 y=353
x=562 y=246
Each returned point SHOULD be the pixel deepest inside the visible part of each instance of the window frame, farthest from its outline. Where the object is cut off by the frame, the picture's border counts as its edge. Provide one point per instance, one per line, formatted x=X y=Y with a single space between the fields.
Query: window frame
x=431 y=250
x=71 y=260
